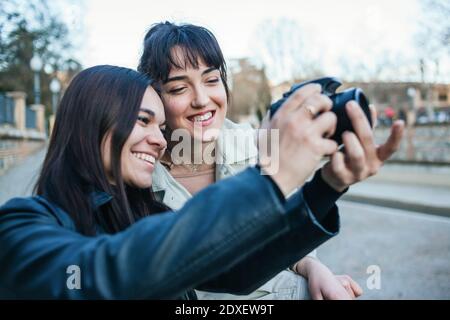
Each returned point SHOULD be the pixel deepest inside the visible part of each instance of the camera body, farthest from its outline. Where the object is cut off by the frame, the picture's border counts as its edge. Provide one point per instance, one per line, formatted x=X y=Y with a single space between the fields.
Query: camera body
x=329 y=86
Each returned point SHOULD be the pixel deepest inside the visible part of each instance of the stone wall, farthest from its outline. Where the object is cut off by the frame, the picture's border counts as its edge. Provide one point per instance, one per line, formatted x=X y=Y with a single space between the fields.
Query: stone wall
x=421 y=143
x=14 y=150
x=21 y=137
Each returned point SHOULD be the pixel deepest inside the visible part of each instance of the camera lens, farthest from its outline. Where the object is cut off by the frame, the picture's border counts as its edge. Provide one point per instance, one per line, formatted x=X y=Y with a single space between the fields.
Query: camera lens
x=339 y=102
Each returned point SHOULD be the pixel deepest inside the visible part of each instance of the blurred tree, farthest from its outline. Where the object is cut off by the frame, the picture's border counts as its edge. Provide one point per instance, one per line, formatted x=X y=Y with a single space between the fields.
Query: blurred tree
x=435 y=25
x=433 y=42
x=33 y=27
x=433 y=37
x=250 y=91
x=285 y=51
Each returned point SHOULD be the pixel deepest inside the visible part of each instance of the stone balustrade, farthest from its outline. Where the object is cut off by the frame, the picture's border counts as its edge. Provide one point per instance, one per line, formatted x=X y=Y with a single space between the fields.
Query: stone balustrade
x=421 y=143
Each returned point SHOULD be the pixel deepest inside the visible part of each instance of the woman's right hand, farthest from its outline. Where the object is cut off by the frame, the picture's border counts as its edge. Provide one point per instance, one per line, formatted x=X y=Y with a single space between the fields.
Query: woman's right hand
x=302 y=138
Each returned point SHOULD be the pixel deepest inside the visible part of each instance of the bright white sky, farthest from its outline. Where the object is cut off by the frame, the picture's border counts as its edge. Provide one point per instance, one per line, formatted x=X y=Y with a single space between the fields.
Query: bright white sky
x=361 y=30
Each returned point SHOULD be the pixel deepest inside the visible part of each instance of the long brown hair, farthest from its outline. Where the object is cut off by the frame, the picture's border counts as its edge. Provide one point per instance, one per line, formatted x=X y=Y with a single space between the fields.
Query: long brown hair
x=100 y=100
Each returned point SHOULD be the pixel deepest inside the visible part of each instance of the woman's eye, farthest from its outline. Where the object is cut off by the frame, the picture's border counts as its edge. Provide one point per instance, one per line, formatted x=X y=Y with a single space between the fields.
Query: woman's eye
x=177 y=90
x=143 y=119
x=213 y=80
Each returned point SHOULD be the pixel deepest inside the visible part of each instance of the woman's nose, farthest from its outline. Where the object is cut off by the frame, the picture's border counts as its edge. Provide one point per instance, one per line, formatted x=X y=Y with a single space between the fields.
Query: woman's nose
x=157 y=139
x=201 y=98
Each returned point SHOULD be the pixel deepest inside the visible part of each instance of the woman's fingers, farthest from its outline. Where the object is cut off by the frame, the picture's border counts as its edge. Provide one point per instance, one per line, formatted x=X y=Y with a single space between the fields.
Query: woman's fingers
x=362 y=128
x=326 y=124
x=296 y=99
x=393 y=142
x=338 y=165
x=356 y=288
x=349 y=290
x=374 y=115
x=350 y=285
x=316 y=104
x=355 y=155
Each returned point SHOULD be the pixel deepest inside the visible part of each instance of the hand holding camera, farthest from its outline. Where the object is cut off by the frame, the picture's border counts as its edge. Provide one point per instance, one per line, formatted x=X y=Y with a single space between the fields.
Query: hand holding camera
x=306 y=107
x=339 y=101
x=303 y=124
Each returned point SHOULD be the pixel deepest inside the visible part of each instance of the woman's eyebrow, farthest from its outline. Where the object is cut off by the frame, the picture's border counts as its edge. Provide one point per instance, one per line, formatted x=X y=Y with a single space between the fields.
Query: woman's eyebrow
x=185 y=77
x=209 y=70
x=175 y=79
x=148 y=111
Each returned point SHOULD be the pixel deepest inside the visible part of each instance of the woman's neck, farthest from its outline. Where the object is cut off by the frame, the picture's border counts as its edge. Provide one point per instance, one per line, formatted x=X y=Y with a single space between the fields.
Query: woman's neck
x=200 y=158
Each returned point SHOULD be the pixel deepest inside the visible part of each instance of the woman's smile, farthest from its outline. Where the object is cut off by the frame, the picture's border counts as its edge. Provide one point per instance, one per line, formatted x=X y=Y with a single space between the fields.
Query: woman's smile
x=145 y=158
x=205 y=118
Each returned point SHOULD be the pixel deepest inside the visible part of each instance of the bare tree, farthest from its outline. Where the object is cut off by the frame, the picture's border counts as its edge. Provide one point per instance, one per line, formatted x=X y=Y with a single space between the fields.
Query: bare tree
x=433 y=42
x=434 y=33
x=285 y=51
x=385 y=65
x=433 y=37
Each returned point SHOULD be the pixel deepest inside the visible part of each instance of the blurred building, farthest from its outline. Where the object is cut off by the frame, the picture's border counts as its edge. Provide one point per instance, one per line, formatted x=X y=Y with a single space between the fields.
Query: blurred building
x=424 y=106
x=428 y=102
x=250 y=92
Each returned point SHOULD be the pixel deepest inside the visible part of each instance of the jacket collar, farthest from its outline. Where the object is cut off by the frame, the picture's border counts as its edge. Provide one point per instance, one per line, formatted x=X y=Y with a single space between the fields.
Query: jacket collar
x=161 y=178
x=235 y=144
x=99 y=198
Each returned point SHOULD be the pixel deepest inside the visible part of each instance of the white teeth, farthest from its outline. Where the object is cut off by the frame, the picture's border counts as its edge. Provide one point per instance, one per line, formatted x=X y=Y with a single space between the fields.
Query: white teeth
x=203 y=117
x=145 y=157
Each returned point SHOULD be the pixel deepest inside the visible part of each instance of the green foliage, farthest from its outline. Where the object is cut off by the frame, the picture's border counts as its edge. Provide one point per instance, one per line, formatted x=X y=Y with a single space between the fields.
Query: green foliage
x=28 y=27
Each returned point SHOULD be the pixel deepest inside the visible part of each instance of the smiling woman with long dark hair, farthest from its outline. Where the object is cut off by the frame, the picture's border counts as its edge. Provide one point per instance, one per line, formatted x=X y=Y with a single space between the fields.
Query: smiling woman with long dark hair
x=102 y=100
x=93 y=230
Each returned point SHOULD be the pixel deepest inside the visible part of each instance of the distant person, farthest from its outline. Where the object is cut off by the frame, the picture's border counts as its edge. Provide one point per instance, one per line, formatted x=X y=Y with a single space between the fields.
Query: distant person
x=389 y=114
x=402 y=115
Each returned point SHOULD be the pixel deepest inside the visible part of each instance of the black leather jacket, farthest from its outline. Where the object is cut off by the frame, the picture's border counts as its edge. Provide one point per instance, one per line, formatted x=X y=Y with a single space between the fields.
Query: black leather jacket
x=231 y=237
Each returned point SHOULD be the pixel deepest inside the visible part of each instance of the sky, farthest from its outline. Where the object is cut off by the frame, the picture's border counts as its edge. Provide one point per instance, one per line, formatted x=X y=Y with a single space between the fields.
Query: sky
x=334 y=33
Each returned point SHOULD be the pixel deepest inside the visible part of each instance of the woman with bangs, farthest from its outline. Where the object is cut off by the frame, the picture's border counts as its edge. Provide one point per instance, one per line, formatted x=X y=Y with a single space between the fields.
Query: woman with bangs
x=190 y=75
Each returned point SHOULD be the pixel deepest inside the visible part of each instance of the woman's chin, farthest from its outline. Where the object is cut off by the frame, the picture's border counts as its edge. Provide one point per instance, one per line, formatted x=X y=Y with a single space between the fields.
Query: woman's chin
x=140 y=183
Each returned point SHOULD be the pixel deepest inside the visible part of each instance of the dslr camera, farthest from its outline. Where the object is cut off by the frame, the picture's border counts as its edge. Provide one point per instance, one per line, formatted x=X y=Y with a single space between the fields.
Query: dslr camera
x=329 y=86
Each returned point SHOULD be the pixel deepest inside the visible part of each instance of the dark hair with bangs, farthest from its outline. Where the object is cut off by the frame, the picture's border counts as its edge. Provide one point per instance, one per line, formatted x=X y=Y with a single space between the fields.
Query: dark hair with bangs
x=99 y=101
x=195 y=42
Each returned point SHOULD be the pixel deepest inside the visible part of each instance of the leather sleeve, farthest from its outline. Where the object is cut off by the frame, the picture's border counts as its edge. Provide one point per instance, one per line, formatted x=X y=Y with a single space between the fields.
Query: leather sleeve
x=160 y=256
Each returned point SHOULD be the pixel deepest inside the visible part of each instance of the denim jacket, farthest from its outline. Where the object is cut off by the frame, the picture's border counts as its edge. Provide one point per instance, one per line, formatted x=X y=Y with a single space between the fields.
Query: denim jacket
x=228 y=246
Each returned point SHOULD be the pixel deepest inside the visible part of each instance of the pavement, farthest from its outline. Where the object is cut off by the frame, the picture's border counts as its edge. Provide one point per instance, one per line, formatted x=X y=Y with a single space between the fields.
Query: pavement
x=410 y=252
x=397 y=223
x=19 y=180
x=417 y=188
